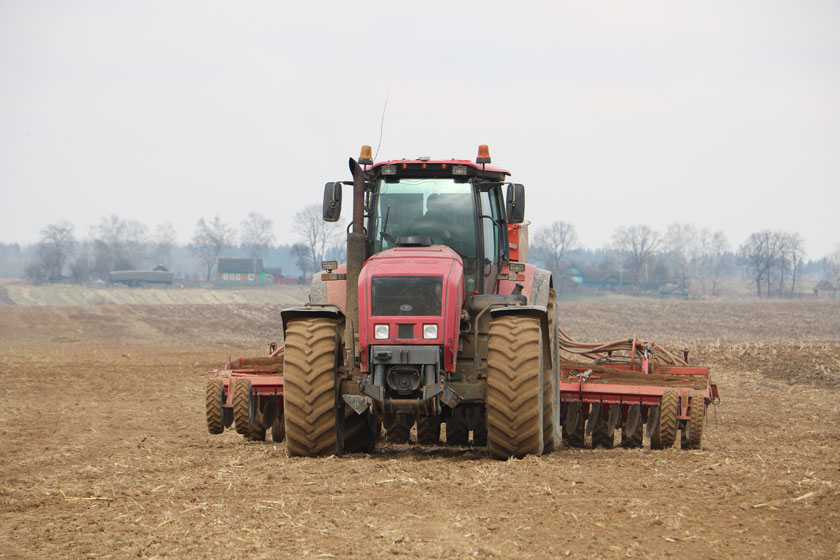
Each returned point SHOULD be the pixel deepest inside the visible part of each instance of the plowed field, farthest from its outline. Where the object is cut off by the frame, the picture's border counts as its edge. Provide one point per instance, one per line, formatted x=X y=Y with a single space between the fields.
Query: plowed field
x=104 y=452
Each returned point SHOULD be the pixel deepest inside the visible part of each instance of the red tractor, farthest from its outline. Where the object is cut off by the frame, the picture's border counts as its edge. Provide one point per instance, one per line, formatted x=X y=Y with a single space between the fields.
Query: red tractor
x=429 y=320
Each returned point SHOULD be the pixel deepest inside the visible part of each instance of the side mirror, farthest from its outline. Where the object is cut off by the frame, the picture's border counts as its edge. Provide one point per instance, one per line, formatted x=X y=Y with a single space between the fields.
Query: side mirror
x=332 y=202
x=515 y=203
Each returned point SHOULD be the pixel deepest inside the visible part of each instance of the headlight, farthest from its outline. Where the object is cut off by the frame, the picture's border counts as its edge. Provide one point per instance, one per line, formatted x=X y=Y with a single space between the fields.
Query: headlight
x=381 y=332
x=430 y=331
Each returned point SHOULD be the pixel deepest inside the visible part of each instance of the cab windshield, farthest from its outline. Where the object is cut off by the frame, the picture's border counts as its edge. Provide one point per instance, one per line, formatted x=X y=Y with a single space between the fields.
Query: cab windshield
x=441 y=209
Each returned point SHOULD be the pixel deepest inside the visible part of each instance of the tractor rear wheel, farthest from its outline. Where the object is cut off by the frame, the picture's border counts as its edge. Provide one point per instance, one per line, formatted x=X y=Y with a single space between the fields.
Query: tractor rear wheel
x=515 y=373
x=632 y=430
x=310 y=396
x=428 y=430
x=398 y=427
x=457 y=432
x=551 y=383
x=694 y=427
x=665 y=432
x=573 y=424
x=242 y=406
x=213 y=406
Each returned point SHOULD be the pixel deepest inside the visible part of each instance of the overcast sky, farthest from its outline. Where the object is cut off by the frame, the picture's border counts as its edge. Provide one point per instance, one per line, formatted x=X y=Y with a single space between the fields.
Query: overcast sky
x=722 y=114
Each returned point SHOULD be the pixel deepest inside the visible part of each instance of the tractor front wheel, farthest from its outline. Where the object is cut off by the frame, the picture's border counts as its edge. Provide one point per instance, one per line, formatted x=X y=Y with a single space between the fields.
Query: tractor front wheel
x=310 y=396
x=515 y=373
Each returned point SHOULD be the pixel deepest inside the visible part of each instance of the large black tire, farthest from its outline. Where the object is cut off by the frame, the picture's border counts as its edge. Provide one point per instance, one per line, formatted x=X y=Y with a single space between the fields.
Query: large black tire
x=457 y=432
x=573 y=424
x=278 y=428
x=632 y=430
x=551 y=383
x=428 y=430
x=213 y=406
x=665 y=431
x=398 y=427
x=515 y=368
x=242 y=406
x=310 y=396
x=694 y=427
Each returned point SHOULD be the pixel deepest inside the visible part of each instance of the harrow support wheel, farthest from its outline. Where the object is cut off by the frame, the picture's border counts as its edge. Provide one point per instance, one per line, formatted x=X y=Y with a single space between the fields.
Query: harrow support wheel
x=310 y=394
x=665 y=432
x=213 y=406
x=601 y=434
x=242 y=406
x=255 y=415
x=428 y=430
x=278 y=428
x=694 y=427
x=457 y=432
x=573 y=424
x=515 y=376
x=398 y=427
x=632 y=430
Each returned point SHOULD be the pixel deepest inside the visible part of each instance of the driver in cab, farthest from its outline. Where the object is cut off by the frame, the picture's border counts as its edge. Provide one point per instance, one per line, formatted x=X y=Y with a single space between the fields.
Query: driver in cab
x=434 y=222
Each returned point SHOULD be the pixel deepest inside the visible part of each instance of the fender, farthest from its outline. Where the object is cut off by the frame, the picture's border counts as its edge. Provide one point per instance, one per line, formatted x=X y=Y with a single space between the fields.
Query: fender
x=536 y=284
x=328 y=311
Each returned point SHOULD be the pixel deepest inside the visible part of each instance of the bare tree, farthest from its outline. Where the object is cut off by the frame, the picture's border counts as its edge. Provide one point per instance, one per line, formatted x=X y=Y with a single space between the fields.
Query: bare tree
x=795 y=246
x=257 y=234
x=315 y=234
x=717 y=248
x=302 y=259
x=164 y=241
x=136 y=245
x=210 y=240
x=119 y=245
x=761 y=251
x=639 y=243
x=56 y=245
x=552 y=242
x=681 y=243
x=108 y=244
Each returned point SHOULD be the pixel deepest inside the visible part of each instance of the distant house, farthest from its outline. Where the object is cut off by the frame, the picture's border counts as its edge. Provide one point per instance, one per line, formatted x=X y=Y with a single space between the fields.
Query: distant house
x=826 y=289
x=572 y=274
x=247 y=270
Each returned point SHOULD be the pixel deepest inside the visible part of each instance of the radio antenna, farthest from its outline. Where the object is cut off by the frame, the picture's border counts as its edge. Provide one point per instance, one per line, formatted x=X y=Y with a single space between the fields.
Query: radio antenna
x=382 y=122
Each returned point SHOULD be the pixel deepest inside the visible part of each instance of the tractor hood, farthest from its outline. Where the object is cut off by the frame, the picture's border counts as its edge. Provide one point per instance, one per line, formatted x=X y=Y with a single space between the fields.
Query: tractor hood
x=411 y=296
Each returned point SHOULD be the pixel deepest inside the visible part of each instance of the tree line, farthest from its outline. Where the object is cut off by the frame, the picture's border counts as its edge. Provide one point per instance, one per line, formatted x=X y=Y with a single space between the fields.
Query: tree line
x=774 y=260
x=638 y=254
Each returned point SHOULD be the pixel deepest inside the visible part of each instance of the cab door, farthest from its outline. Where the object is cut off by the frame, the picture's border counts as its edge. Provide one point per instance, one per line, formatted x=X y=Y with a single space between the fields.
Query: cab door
x=493 y=235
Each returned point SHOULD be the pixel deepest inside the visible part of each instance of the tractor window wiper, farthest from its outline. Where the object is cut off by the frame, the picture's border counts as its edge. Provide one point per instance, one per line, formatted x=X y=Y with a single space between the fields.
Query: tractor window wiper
x=383 y=234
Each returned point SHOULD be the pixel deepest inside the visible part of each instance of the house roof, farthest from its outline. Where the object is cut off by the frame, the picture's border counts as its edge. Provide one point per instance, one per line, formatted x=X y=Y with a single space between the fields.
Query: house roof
x=240 y=265
x=826 y=285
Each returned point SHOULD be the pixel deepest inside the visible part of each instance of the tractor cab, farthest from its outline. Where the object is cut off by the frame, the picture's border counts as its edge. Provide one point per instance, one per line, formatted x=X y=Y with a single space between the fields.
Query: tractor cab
x=456 y=203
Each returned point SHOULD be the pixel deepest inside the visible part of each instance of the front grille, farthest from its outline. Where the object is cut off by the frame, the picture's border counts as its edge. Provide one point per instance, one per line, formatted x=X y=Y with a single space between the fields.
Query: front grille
x=405 y=331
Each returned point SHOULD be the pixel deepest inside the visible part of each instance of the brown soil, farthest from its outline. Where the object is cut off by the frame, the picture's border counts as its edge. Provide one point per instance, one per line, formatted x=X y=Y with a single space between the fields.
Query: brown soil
x=104 y=450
